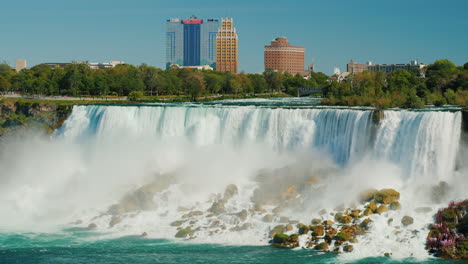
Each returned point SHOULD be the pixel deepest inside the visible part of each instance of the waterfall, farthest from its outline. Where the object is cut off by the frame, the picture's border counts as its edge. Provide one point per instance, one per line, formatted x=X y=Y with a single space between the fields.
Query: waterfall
x=103 y=152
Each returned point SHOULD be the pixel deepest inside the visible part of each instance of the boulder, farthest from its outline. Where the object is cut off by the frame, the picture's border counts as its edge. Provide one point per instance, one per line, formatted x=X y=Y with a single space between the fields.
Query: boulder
x=423 y=210
x=258 y=208
x=355 y=213
x=92 y=226
x=373 y=206
x=328 y=222
x=367 y=195
x=367 y=212
x=318 y=230
x=346 y=219
x=192 y=214
x=242 y=215
x=303 y=229
x=382 y=208
x=217 y=207
x=177 y=223
x=144 y=234
x=316 y=221
x=395 y=206
x=322 y=246
x=230 y=191
x=387 y=196
x=342 y=236
x=279 y=229
x=323 y=212
x=365 y=223
x=348 y=248
x=243 y=227
x=114 y=221
x=277 y=210
x=407 y=220
x=284 y=219
x=289 y=227
x=268 y=218
x=184 y=233
x=280 y=238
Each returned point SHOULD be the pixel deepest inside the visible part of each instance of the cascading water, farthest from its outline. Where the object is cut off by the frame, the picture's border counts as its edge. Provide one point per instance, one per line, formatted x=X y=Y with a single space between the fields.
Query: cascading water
x=106 y=151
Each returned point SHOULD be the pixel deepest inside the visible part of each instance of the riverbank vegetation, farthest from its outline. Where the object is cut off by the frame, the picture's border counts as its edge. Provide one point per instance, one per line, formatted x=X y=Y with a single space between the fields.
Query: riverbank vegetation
x=437 y=84
x=140 y=82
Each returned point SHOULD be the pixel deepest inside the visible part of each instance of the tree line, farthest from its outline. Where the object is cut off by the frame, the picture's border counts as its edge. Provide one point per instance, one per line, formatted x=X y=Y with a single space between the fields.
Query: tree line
x=78 y=79
x=437 y=84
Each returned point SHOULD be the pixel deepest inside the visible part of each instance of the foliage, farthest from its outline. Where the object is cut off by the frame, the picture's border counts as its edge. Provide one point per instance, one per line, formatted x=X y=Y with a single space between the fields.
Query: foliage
x=443 y=83
x=135 y=95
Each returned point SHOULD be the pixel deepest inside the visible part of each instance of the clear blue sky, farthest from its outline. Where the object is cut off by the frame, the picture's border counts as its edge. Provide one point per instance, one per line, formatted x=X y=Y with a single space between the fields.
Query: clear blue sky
x=332 y=31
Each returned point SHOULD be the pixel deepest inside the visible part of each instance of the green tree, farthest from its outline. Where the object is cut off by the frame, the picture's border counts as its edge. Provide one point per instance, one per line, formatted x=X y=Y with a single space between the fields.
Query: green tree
x=4 y=84
x=135 y=95
x=440 y=74
x=195 y=85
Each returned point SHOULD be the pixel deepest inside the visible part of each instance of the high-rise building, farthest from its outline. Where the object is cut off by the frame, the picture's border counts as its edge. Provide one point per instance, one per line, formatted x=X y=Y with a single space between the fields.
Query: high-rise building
x=283 y=57
x=191 y=42
x=20 y=65
x=227 y=47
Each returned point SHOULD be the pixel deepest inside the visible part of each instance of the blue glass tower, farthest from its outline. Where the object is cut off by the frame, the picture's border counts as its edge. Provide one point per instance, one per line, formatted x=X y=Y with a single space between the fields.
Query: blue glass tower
x=191 y=42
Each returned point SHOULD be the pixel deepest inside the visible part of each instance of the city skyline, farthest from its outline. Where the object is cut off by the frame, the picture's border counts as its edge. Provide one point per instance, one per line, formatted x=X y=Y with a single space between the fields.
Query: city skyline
x=332 y=33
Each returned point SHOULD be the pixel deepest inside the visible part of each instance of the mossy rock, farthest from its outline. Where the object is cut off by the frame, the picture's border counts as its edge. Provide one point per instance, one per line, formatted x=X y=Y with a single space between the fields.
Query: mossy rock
x=184 y=233
x=277 y=230
x=280 y=238
x=342 y=236
x=387 y=196
x=177 y=223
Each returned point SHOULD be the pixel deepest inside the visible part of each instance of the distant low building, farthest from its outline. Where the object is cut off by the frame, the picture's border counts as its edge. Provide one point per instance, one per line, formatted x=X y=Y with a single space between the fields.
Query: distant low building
x=92 y=65
x=21 y=65
x=201 y=67
x=353 y=67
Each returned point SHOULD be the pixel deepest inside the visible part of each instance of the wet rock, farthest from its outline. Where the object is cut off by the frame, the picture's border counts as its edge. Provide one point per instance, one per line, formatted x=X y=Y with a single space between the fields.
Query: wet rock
x=259 y=208
x=78 y=222
x=423 y=210
x=387 y=254
x=407 y=220
x=279 y=229
x=280 y=238
x=353 y=240
x=289 y=227
x=323 y=212
x=318 y=230
x=277 y=210
x=367 y=196
x=114 y=221
x=316 y=221
x=192 y=214
x=184 y=233
x=177 y=223
x=386 y=196
x=373 y=206
x=365 y=223
x=355 y=213
x=303 y=229
x=342 y=236
x=182 y=209
x=144 y=234
x=92 y=226
x=395 y=206
x=217 y=207
x=348 y=248
x=322 y=246
x=242 y=215
x=284 y=219
x=390 y=221
x=242 y=227
x=268 y=218
x=439 y=192
x=293 y=222
x=367 y=212
x=338 y=216
x=328 y=222
x=346 y=219
x=230 y=191
x=381 y=209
